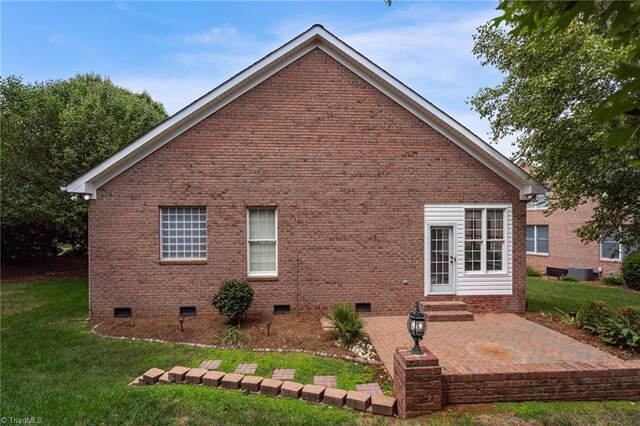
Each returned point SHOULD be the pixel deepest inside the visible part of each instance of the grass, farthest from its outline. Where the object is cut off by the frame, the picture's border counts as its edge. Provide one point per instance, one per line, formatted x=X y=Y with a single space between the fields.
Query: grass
x=54 y=368
x=546 y=296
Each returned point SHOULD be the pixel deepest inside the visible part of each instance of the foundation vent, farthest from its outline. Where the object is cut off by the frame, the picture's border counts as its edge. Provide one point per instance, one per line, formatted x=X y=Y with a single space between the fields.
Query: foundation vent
x=281 y=309
x=363 y=307
x=187 y=311
x=122 y=312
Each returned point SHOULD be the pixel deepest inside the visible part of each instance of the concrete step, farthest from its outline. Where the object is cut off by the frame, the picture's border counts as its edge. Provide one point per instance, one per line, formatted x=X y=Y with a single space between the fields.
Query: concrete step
x=447 y=305
x=442 y=316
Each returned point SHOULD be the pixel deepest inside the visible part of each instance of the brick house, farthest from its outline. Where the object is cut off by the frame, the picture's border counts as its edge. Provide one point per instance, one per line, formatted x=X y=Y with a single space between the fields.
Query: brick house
x=319 y=178
x=552 y=241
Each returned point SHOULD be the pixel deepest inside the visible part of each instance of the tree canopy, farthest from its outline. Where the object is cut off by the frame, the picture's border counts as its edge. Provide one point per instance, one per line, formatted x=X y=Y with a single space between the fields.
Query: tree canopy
x=619 y=23
x=553 y=81
x=51 y=133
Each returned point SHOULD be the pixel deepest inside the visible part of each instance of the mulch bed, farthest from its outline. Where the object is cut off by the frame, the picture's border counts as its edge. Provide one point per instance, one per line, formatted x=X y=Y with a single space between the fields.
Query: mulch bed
x=288 y=332
x=581 y=335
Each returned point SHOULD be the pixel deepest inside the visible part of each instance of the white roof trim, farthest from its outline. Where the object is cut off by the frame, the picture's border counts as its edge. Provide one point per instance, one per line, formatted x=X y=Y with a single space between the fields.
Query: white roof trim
x=315 y=37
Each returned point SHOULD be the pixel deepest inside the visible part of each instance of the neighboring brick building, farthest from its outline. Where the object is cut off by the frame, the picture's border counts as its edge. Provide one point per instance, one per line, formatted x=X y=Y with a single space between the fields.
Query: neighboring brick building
x=321 y=179
x=552 y=241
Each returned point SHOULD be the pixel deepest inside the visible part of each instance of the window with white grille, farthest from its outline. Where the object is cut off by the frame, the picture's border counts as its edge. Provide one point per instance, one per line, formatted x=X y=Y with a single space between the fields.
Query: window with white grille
x=484 y=240
x=183 y=233
x=262 y=241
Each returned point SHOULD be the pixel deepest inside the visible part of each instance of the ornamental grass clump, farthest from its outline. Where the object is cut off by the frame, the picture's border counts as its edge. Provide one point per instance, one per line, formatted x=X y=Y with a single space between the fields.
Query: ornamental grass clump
x=347 y=324
x=233 y=300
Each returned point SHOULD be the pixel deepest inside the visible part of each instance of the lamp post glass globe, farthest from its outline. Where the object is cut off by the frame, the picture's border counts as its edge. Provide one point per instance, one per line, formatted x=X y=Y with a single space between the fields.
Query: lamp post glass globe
x=417 y=326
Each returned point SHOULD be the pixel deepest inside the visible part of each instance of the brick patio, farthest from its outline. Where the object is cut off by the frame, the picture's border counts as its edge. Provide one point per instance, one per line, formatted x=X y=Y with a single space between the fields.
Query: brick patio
x=497 y=357
x=491 y=343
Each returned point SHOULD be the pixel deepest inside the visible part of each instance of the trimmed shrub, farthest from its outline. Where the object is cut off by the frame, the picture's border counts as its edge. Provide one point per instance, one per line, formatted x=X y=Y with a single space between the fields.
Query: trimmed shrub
x=612 y=280
x=631 y=316
x=594 y=313
x=569 y=278
x=347 y=324
x=233 y=300
x=533 y=273
x=630 y=270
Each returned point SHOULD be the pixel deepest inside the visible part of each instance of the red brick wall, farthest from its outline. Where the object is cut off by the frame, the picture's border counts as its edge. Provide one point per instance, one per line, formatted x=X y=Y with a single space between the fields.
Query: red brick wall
x=349 y=170
x=565 y=248
x=545 y=382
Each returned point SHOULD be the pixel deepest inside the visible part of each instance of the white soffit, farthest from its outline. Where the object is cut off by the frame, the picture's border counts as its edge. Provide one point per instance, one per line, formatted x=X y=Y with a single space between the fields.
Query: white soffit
x=315 y=37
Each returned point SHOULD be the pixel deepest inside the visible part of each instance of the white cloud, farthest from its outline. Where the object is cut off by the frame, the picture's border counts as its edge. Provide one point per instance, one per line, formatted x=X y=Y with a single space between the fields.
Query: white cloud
x=226 y=35
x=60 y=40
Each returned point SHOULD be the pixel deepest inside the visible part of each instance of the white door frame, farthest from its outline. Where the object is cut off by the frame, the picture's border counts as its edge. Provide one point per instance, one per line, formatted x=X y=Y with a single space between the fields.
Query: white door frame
x=453 y=251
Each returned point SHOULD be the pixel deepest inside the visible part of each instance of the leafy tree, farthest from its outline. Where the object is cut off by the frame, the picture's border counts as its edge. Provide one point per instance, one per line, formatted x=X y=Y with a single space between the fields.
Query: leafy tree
x=619 y=22
x=51 y=133
x=552 y=81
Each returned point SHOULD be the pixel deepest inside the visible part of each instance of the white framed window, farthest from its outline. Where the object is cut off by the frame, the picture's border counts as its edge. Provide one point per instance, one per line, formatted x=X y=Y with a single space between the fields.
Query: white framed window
x=473 y=240
x=485 y=240
x=538 y=203
x=538 y=239
x=262 y=241
x=610 y=249
x=183 y=233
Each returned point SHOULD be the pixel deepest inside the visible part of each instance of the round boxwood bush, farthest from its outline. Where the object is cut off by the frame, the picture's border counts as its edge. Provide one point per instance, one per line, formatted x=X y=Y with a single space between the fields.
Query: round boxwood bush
x=631 y=270
x=594 y=313
x=233 y=299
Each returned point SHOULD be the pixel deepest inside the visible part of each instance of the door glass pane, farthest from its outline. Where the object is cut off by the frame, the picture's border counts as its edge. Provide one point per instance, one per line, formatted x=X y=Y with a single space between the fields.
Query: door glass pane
x=440 y=256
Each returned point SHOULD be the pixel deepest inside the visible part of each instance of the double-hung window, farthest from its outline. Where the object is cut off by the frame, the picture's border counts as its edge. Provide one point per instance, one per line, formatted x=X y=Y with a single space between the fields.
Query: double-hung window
x=485 y=240
x=538 y=239
x=262 y=242
x=610 y=249
x=183 y=233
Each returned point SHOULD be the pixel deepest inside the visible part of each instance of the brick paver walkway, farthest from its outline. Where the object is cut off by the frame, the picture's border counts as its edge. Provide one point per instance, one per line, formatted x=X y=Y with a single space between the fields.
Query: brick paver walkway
x=283 y=374
x=490 y=343
x=246 y=368
x=326 y=381
x=370 y=388
x=211 y=364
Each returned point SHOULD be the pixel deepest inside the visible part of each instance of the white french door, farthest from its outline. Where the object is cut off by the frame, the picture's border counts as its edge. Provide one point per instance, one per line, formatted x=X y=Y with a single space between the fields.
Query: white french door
x=441 y=260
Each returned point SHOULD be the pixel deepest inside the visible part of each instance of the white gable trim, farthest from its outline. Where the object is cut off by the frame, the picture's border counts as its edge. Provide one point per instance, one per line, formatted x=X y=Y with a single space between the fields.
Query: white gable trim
x=315 y=37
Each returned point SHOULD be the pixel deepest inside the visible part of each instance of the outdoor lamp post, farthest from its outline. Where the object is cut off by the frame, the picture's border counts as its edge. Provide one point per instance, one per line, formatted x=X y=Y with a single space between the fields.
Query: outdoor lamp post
x=416 y=325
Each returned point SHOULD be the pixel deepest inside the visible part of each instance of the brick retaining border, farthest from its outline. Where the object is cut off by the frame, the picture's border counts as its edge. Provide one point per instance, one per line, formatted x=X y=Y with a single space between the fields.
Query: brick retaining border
x=381 y=405
x=421 y=386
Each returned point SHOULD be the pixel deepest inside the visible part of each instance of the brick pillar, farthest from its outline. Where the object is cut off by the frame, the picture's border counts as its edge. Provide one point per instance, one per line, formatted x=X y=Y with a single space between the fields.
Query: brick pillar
x=417 y=383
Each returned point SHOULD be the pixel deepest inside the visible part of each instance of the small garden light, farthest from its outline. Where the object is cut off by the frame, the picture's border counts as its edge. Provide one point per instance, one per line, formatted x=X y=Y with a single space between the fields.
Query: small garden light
x=417 y=326
x=268 y=327
x=181 y=321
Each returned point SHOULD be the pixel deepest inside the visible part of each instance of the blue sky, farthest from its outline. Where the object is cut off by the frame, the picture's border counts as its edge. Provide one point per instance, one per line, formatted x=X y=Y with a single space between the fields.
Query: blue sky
x=177 y=51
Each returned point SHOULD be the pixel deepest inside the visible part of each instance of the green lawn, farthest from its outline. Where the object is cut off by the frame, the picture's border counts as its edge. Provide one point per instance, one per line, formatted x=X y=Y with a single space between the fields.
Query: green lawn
x=53 y=367
x=546 y=296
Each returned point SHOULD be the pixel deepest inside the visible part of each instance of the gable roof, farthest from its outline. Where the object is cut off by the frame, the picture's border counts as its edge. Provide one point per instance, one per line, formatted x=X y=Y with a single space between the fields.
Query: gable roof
x=315 y=37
